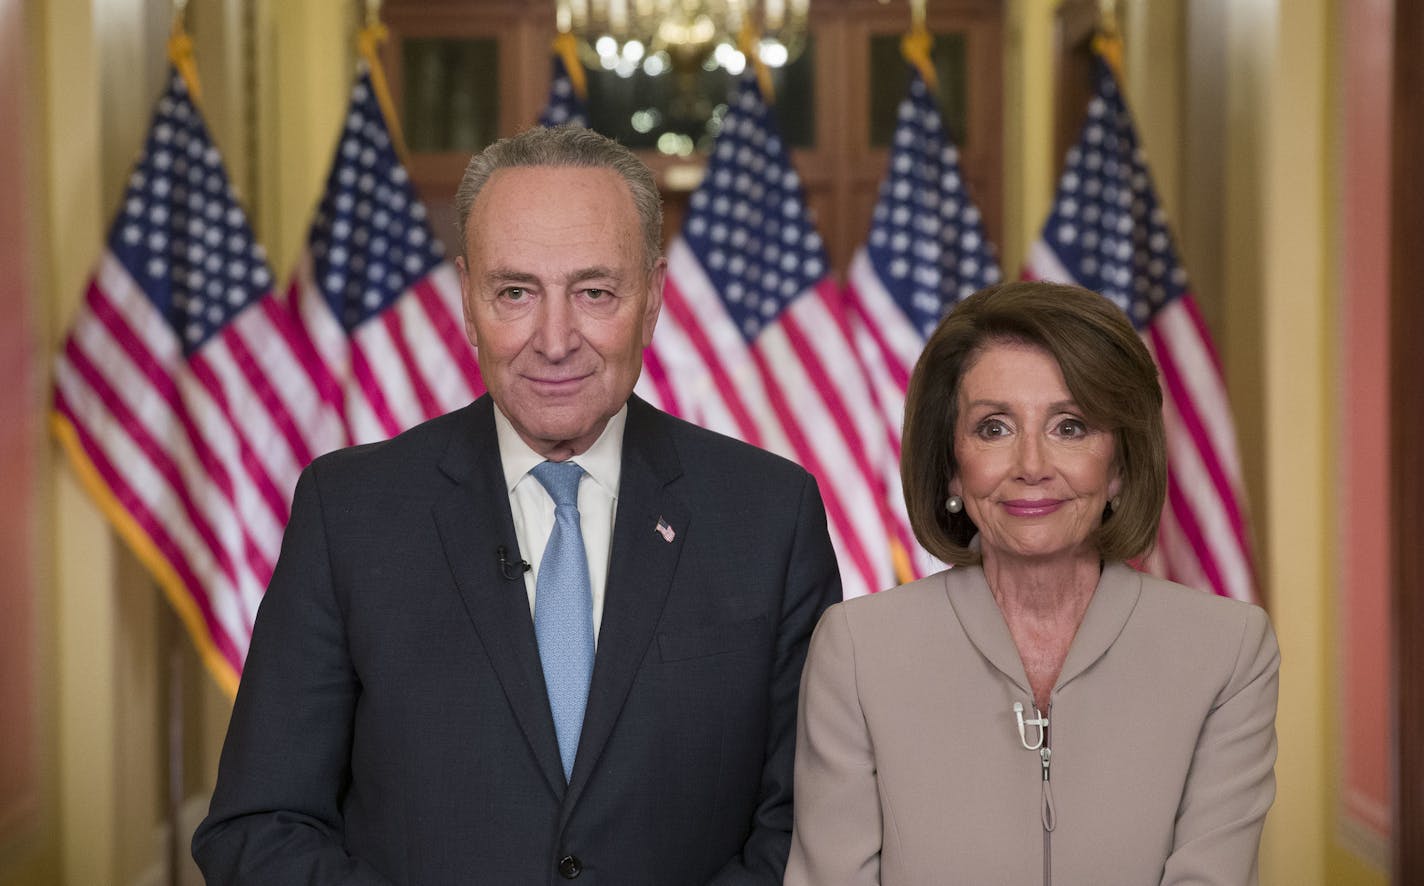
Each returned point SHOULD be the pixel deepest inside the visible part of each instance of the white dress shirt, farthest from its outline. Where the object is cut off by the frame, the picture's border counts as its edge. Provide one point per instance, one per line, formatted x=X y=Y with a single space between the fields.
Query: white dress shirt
x=533 y=507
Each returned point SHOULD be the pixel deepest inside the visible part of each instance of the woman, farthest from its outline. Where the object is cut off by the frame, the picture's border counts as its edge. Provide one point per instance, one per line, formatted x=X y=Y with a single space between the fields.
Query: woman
x=1042 y=712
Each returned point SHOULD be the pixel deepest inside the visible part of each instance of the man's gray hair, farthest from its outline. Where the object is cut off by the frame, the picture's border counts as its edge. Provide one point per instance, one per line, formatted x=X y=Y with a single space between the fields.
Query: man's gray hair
x=574 y=146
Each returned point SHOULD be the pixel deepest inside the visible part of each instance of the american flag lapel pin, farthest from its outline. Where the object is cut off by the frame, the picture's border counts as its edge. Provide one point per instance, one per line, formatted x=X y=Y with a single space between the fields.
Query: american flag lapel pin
x=665 y=530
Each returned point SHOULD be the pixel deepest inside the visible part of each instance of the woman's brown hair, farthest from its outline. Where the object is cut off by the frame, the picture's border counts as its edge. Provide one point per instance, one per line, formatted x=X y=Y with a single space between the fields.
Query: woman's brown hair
x=1107 y=369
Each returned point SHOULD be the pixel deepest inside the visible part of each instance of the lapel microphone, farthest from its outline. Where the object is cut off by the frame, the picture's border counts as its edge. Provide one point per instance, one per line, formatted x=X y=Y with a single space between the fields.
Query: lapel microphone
x=1038 y=720
x=511 y=571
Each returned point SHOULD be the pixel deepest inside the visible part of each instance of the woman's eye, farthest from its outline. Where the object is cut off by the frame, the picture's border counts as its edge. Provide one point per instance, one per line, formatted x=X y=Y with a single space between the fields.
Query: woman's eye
x=992 y=428
x=1072 y=427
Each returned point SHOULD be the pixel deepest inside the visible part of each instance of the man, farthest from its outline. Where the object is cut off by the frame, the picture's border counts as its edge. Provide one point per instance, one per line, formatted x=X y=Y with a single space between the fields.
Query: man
x=554 y=635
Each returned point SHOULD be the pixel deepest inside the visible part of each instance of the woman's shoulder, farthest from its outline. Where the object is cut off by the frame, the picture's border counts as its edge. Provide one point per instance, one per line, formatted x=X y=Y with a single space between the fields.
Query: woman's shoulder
x=1187 y=611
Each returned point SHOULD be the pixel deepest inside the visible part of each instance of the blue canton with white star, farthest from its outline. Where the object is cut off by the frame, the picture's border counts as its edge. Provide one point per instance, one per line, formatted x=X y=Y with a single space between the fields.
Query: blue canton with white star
x=1107 y=226
x=748 y=222
x=927 y=240
x=564 y=106
x=370 y=240
x=181 y=234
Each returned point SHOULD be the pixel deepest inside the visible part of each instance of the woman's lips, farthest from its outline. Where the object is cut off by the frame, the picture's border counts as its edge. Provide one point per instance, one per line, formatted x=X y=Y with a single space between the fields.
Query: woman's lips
x=1023 y=507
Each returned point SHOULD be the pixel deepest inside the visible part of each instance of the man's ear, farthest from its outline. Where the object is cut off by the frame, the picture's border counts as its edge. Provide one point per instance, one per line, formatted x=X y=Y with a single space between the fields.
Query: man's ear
x=656 y=280
x=467 y=301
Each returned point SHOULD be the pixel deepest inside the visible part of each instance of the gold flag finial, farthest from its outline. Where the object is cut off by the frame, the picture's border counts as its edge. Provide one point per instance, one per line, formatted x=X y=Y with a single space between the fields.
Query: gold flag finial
x=915 y=46
x=368 y=45
x=1107 y=42
x=180 y=52
x=748 y=41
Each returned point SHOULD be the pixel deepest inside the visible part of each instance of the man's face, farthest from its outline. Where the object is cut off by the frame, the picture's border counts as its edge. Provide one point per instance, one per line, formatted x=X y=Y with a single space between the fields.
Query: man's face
x=558 y=302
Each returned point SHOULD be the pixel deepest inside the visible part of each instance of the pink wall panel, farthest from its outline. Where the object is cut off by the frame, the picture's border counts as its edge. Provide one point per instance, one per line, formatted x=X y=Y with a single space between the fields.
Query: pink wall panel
x=1363 y=441
x=19 y=417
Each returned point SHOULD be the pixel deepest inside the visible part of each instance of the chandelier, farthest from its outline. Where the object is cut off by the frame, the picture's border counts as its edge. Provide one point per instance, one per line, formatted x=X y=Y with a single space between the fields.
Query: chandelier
x=656 y=35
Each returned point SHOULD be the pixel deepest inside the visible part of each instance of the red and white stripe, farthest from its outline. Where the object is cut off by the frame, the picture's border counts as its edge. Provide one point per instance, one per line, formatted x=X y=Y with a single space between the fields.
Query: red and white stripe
x=797 y=390
x=1203 y=541
x=201 y=453
x=409 y=363
x=888 y=346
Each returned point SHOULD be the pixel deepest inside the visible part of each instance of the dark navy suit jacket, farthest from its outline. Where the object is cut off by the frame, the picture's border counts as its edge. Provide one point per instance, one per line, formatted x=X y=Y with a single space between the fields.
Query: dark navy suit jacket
x=392 y=725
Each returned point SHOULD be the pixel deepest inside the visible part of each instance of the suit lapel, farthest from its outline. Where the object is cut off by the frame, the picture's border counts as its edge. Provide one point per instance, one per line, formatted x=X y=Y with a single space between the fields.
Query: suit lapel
x=474 y=519
x=983 y=621
x=1107 y=615
x=640 y=572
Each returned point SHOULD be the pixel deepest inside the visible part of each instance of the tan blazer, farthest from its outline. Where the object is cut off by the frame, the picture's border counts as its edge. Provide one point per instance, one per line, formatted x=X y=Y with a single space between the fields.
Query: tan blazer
x=910 y=768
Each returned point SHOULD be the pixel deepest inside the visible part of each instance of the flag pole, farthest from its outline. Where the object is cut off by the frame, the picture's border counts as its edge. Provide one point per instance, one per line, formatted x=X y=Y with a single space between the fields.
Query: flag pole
x=915 y=47
x=180 y=54
x=747 y=41
x=368 y=44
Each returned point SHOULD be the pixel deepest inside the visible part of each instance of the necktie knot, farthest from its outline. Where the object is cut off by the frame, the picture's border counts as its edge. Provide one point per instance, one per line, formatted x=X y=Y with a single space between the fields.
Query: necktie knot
x=561 y=480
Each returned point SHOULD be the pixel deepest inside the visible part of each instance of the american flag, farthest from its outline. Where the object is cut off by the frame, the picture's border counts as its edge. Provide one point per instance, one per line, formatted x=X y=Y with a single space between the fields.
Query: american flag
x=377 y=300
x=564 y=105
x=179 y=394
x=752 y=340
x=1107 y=232
x=927 y=251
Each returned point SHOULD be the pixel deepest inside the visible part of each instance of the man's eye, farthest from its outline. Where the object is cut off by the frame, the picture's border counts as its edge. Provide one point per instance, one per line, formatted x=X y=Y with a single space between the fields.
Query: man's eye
x=514 y=293
x=596 y=294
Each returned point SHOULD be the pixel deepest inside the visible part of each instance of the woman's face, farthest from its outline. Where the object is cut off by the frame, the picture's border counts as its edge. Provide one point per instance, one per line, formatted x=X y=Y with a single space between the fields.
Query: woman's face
x=1033 y=473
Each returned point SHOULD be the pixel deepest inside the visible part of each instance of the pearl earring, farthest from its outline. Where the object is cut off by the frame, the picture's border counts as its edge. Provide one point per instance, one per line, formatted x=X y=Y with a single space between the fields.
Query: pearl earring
x=954 y=504
x=1115 y=502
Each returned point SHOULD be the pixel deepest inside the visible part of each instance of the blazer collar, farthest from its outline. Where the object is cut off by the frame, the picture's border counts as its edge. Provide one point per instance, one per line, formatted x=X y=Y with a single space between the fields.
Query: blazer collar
x=974 y=605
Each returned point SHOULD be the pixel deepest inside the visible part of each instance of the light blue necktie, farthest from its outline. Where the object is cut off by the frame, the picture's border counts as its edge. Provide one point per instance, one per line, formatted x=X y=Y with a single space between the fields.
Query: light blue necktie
x=563 y=610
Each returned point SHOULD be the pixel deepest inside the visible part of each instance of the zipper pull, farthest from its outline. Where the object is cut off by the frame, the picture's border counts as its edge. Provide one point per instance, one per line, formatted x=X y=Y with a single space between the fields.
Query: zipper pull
x=1044 y=754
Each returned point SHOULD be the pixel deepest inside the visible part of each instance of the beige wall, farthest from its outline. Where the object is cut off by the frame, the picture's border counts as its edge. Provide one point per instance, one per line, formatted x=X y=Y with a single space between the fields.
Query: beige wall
x=1236 y=100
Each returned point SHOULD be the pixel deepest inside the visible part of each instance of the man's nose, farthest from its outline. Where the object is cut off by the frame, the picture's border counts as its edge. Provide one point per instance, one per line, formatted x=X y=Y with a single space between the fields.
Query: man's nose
x=557 y=332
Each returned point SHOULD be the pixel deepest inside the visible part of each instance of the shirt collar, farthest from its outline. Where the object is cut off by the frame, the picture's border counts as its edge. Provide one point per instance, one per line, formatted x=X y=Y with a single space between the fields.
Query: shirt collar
x=603 y=461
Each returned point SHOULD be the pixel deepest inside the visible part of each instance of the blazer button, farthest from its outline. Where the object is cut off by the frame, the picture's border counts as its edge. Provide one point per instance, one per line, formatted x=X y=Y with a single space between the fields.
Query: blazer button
x=570 y=867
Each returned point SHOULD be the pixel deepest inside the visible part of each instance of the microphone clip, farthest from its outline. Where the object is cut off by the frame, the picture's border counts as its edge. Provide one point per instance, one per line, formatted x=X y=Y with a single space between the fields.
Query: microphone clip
x=511 y=571
x=1038 y=720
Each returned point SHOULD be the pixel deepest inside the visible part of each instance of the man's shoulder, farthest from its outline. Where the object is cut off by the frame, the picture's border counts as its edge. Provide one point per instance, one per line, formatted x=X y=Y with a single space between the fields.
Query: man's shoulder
x=421 y=446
